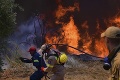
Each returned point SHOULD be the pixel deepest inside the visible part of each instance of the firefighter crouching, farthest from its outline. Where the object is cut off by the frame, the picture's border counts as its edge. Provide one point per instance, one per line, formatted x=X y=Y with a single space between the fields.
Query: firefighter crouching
x=55 y=61
x=37 y=61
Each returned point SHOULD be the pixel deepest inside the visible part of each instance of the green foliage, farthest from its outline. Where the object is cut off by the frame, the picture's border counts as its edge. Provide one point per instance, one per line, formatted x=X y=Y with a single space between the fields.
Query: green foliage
x=1 y=63
x=7 y=18
x=7 y=23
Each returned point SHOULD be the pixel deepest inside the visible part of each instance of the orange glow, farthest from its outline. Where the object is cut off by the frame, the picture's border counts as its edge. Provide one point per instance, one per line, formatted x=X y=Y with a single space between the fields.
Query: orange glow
x=86 y=43
x=100 y=48
x=69 y=34
x=62 y=11
x=115 y=21
x=72 y=35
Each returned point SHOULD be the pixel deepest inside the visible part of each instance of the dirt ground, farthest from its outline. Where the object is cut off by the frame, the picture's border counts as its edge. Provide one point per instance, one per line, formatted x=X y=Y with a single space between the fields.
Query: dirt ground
x=90 y=70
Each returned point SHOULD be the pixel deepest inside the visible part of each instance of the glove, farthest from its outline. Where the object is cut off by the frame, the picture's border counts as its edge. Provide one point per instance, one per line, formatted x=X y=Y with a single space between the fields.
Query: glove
x=48 y=45
x=21 y=58
x=42 y=69
x=107 y=63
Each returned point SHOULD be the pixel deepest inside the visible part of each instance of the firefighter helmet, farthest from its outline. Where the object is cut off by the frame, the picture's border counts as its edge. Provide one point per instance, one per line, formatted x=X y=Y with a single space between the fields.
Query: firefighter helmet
x=32 y=49
x=111 y=32
x=62 y=58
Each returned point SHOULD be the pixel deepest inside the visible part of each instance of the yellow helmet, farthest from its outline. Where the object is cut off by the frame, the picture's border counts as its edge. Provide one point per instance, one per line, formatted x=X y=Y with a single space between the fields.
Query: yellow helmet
x=62 y=58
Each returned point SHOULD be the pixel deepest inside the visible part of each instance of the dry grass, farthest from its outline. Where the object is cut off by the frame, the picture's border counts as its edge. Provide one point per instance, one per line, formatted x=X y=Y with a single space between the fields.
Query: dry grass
x=18 y=73
x=91 y=70
x=88 y=71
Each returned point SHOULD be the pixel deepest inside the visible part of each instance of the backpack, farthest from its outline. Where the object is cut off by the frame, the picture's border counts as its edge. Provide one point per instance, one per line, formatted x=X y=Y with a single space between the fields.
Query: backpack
x=60 y=56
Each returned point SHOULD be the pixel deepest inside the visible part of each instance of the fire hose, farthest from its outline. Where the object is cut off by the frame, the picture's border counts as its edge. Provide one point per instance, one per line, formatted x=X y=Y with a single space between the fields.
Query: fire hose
x=77 y=49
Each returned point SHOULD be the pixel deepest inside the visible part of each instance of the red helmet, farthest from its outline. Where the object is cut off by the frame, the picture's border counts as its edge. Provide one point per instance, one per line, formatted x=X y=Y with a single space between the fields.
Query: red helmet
x=32 y=49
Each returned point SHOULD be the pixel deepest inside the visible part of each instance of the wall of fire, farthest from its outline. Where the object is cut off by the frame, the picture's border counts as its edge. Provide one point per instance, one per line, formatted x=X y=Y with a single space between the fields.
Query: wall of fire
x=77 y=23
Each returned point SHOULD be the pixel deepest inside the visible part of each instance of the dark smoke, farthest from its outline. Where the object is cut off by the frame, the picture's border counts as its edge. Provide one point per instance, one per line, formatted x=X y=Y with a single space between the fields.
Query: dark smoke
x=33 y=7
x=90 y=10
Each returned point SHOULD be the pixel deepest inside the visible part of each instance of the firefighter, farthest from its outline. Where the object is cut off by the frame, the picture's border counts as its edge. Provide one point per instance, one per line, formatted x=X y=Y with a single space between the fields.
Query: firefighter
x=55 y=61
x=112 y=61
x=37 y=61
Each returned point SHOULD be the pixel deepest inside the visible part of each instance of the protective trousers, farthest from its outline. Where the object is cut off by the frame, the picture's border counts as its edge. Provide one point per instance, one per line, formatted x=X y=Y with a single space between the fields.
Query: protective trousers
x=37 y=75
x=58 y=72
x=57 y=77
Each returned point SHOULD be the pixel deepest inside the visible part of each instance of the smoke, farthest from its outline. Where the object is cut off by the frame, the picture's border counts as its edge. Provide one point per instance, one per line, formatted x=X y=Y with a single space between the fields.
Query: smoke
x=90 y=11
x=30 y=33
x=33 y=7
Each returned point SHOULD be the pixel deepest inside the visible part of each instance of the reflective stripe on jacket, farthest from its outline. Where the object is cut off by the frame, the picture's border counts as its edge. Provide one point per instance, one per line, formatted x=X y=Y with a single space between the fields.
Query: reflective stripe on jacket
x=38 y=61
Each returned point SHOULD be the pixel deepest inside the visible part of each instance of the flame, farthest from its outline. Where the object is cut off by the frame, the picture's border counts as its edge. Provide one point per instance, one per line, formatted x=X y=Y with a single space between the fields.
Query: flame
x=72 y=35
x=61 y=11
x=101 y=48
x=87 y=40
x=69 y=34
x=115 y=20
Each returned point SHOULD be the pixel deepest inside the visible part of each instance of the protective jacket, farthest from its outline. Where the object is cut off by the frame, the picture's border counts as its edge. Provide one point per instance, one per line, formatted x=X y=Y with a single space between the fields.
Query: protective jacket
x=57 y=69
x=38 y=62
x=115 y=68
